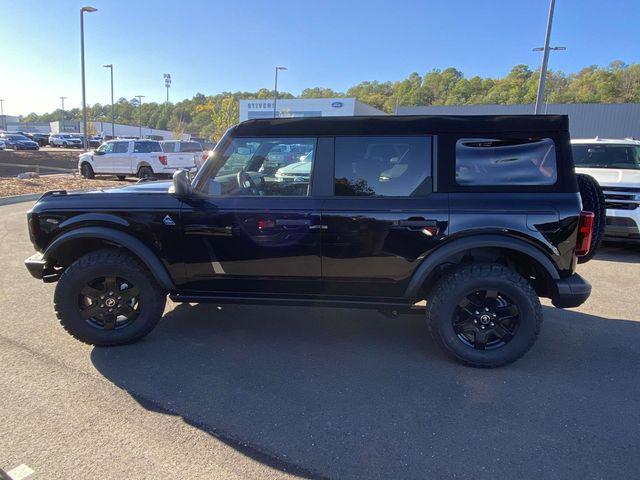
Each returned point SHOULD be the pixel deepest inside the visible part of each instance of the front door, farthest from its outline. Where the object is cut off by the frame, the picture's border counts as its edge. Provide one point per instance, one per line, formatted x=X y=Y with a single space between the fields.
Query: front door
x=121 y=157
x=383 y=217
x=251 y=230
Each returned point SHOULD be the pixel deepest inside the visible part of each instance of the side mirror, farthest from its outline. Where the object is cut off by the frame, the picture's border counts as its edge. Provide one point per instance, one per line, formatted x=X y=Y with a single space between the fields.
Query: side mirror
x=181 y=184
x=98 y=152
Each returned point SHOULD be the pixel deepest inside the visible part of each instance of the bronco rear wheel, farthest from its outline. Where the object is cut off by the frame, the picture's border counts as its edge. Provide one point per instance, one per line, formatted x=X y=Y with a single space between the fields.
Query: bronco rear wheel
x=593 y=201
x=484 y=315
x=108 y=297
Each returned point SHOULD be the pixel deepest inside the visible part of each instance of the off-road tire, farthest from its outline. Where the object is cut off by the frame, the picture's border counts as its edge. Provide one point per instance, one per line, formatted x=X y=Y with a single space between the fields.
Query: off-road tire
x=145 y=172
x=593 y=201
x=121 y=177
x=444 y=299
x=98 y=264
x=86 y=170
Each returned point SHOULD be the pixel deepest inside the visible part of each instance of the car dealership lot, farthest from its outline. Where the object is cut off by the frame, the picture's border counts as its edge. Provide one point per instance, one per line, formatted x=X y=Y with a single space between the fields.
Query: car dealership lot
x=250 y=392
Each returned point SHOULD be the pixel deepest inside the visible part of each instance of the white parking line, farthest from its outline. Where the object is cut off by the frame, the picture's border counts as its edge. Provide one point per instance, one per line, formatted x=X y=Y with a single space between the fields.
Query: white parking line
x=20 y=472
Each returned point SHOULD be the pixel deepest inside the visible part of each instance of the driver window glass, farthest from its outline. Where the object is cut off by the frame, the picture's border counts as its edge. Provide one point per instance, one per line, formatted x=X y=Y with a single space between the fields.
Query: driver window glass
x=264 y=167
x=121 y=147
x=106 y=148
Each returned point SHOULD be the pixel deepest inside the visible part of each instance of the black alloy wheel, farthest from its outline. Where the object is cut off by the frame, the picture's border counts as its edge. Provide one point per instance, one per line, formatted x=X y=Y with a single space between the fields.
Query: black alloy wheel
x=109 y=303
x=486 y=319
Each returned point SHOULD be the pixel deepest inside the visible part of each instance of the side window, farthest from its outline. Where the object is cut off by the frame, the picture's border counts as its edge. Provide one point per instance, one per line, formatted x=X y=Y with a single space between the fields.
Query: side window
x=382 y=166
x=169 y=147
x=121 y=147
x=106 y=148
x=498 y=162
x=262 y=167
x=146 y=147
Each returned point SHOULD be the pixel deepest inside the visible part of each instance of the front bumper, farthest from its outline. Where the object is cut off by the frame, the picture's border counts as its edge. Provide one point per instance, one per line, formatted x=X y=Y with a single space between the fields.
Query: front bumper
x=572 y=292
x=623 y=224
x=38 y=268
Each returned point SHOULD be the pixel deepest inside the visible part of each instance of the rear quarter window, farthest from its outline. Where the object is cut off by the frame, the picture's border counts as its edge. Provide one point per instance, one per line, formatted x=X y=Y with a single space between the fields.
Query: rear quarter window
x=501 y=162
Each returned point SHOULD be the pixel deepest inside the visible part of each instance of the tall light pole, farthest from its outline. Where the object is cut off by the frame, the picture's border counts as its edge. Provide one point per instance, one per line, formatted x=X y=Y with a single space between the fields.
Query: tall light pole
x=140 y=97
x=540 y=98
x=113 y=111
x=275 y=90
x=61 y=129
x=167 y=83
x=4 y=120
x=545 y=59
x=85 y=140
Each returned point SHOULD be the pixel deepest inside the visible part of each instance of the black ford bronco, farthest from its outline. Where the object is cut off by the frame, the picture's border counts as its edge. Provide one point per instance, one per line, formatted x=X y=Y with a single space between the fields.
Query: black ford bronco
x=478 y=216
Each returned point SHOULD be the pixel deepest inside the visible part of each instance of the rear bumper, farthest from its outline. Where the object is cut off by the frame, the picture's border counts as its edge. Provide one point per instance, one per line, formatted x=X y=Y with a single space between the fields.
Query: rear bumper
x=39 y=269
x=572 y=292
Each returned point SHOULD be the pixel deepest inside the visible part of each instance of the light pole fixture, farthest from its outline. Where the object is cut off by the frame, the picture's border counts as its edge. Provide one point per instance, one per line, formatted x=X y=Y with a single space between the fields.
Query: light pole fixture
x=545 y=58
x=275 y=90
x=85 y=141
x=140 y=97
x=61 y=129
x=113 y=111
x=167 y=83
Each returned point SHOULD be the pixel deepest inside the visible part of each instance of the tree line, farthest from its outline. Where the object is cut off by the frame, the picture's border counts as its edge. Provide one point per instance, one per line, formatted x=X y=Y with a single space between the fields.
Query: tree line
x=209 y=116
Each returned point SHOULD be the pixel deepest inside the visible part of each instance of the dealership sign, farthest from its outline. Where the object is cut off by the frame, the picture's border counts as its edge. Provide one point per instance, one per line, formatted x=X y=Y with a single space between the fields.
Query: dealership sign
x=337 y=104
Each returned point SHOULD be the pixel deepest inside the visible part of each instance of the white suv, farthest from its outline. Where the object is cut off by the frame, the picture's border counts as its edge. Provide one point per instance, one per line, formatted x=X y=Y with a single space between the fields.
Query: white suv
x=143 y=158
x=65 y=140
x=615 y=164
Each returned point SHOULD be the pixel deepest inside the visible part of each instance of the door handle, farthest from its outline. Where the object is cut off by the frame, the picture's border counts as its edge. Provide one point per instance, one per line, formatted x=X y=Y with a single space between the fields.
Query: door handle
x=417 y=223
x=287 y=222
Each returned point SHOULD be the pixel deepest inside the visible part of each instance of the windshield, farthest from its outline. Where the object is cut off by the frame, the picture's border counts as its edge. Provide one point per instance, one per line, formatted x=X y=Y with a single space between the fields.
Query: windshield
x=607 y=156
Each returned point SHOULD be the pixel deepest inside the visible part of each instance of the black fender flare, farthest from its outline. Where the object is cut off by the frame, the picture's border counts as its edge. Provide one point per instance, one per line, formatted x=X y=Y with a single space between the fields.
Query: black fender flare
x=441 y=254
x=125 y=240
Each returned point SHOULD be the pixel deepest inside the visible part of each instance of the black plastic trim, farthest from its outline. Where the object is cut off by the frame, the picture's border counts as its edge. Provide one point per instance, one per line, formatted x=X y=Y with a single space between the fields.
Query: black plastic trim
x=454 y=247
x=572 y=292
x=143 y=252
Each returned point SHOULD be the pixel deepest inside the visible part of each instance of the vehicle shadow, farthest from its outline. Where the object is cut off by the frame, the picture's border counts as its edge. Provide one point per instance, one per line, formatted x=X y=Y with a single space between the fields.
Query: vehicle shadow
x=334 y=393
x=618 y=252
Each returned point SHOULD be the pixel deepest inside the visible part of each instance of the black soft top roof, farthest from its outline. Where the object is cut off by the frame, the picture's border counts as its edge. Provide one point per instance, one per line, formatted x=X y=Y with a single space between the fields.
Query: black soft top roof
x=402 y=125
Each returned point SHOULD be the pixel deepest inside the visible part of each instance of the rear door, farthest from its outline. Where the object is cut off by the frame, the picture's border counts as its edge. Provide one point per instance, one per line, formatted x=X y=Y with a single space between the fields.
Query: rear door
x=147 y=152
x=383 y=216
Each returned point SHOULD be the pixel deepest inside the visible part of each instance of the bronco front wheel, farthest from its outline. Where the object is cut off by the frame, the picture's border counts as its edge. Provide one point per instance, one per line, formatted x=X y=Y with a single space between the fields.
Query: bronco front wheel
x=484 y=315
x=108 y=297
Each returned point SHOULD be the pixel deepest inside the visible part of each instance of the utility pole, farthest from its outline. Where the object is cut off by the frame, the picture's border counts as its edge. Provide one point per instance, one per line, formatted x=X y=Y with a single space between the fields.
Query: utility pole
x=140 y=97
x=61 y=129
x=85 y=141
x=113 y=111
x=275 y=91
x=167 y=83
x=4 y=120
x=545 y=60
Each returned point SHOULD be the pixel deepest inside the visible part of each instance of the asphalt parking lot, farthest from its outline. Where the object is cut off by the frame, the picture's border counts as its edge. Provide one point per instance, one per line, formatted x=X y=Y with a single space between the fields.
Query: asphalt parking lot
x=250 y=392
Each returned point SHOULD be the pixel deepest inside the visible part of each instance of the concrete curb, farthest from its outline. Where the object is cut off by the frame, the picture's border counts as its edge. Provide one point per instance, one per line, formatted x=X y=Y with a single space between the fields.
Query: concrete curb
x=19 y=198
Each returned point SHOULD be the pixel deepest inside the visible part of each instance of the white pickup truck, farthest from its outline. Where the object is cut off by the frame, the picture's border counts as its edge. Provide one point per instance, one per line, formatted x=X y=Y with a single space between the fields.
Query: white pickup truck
x=143 y=158
x=615 y=164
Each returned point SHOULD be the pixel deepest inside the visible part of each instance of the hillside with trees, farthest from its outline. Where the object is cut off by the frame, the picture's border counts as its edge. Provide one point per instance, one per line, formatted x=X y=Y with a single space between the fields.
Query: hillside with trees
x=210 y=115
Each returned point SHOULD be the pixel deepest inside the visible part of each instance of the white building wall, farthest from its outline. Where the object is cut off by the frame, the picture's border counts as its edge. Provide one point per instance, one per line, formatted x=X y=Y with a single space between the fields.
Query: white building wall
x=304 y=107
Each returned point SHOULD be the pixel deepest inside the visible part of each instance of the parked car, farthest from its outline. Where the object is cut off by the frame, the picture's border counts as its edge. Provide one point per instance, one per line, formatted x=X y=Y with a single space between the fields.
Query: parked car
x=480 y=217
x=144 y=158
x=65 y=140
x=180 y=146
x=17 y=141
x=299 y=171
x=615 y=164
x=42 y=139
x=2 y=144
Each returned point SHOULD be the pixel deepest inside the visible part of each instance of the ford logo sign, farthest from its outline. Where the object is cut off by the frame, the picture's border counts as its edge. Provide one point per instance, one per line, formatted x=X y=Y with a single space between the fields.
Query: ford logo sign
x=336 y=104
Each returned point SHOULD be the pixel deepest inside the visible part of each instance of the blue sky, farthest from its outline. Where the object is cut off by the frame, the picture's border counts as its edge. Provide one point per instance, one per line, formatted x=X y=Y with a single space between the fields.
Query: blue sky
x=229 y=45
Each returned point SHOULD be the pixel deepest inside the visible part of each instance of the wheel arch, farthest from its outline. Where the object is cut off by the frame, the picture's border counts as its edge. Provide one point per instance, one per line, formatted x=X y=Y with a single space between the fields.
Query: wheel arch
x=71 y=245
x=528 y=260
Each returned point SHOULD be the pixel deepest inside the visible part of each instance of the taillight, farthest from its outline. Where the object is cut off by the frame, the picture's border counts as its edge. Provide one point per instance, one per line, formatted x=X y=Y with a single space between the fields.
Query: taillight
x=585 y=232
x=163 y=159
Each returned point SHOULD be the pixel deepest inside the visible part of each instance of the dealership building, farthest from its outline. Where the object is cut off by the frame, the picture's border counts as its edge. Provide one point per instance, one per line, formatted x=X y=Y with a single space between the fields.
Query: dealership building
x=305 y=107
x=586 y=120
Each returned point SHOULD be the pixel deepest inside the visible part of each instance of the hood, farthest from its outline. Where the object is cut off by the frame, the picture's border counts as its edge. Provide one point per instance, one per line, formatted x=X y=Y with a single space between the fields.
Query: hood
x=613 y=177
x=297 y=168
